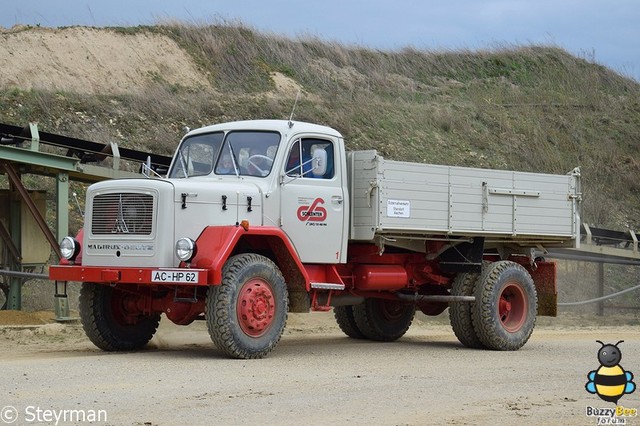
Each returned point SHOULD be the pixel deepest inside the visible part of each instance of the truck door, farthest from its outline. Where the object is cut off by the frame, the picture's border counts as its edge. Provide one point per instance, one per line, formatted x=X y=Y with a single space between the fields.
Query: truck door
x=314 y=207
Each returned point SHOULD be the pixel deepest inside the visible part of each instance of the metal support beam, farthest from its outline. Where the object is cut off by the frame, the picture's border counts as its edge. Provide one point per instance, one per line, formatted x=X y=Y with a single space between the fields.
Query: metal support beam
x=601 y=288
x=35 y=137
x=5 y=234
x=115 y=151
x=17 y=183
x=15 y=294
x=38 y=159
x=62 y=229
x=15 y=283
x=25 y=275
x=62 y=206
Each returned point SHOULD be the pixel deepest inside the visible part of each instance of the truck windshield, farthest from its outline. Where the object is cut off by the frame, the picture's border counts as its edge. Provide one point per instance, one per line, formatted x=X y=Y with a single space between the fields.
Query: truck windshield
x=196 y=155
x=248 y=153
x=240 y=153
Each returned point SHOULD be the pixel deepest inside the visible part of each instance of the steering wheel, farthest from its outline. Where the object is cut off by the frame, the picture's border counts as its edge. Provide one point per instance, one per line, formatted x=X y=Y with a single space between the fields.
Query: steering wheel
x=251 y=161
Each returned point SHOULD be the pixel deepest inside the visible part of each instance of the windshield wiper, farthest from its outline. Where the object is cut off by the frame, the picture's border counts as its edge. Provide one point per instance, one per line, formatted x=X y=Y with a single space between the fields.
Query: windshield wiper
x=233 y=160
x=183 y=164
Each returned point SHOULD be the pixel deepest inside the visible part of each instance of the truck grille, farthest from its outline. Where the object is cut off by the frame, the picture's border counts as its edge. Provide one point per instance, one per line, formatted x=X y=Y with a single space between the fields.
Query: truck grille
x=122 y=213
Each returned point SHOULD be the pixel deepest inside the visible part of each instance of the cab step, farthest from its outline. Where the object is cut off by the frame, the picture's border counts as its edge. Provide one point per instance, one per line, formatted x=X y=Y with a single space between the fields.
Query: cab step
x=327 y=286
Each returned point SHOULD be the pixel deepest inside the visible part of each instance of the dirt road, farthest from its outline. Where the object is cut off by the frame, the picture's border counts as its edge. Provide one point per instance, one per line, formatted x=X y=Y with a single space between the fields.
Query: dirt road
x=315 y=376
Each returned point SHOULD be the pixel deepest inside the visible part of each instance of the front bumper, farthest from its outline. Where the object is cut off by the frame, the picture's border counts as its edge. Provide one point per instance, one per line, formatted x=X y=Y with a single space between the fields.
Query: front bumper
x=141 y=276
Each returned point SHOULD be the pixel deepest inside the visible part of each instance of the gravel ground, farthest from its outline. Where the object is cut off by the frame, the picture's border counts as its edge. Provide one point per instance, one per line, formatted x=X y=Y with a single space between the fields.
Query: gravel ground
x=315 y=376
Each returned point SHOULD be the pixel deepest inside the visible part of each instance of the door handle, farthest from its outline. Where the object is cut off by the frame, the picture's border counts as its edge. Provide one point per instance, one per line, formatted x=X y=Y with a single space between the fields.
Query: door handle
x=337 y=199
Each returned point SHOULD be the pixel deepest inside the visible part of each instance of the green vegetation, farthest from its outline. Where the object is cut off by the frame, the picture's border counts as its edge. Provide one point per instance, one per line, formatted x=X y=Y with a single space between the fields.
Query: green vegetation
x=531 y=108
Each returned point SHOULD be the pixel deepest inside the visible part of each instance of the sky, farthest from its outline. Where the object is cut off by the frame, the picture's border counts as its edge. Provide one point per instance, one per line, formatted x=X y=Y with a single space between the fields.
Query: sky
x=604 y=31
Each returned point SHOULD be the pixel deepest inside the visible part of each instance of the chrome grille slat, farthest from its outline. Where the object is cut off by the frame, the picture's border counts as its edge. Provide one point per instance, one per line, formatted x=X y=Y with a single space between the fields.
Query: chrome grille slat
x=125 y=213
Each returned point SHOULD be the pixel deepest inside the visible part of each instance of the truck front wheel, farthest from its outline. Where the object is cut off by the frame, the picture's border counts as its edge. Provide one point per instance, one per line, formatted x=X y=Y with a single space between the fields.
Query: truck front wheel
x=107 y=322
x=246 y=314
x=383 y=320
x=504 y=312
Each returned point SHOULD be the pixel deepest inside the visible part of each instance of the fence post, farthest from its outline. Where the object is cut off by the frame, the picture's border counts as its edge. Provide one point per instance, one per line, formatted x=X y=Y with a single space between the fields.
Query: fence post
x=601 y=288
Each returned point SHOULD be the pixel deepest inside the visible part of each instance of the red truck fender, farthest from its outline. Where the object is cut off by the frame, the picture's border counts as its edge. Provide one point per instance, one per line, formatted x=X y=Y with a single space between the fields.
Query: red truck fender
x=217 y=243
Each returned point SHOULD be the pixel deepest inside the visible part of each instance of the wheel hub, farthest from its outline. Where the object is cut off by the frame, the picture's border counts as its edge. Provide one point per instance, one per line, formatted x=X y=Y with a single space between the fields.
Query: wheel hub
x=512 y=307
x=505 y=307
x=391 y=310
x=125 y=308
x=256 y=307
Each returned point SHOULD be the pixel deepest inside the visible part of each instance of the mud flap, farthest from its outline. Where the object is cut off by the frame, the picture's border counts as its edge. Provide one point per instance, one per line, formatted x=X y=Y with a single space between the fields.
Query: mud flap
x=544 y=276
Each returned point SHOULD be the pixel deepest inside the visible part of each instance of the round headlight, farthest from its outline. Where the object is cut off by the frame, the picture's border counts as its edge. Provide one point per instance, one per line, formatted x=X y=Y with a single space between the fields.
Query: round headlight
x=185 y=249
x=69 y=248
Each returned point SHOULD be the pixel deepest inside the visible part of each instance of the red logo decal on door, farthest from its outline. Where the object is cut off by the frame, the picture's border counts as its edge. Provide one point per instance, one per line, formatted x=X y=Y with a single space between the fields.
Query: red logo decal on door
x=313 y=213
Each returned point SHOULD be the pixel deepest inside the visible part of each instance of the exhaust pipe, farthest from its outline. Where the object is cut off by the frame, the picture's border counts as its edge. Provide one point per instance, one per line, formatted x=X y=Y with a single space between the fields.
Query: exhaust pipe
x=435 y=298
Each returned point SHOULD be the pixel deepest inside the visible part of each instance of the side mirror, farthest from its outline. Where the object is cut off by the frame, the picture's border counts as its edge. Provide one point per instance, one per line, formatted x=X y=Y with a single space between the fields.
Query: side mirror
x=319 y=162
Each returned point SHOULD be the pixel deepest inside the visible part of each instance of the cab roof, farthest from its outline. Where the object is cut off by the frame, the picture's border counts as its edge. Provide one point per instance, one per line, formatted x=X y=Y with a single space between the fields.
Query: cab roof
x=284 y=127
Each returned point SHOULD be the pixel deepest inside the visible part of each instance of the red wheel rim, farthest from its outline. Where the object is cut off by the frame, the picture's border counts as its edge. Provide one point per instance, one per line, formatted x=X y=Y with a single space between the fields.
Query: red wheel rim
x=256 y=307
x=512 y=307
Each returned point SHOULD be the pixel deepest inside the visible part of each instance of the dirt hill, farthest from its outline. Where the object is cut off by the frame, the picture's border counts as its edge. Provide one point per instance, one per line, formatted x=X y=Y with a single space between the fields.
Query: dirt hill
x=93 y=62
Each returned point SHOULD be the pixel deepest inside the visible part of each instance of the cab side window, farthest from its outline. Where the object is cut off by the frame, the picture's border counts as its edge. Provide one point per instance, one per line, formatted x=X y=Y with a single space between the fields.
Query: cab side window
x=311 y=158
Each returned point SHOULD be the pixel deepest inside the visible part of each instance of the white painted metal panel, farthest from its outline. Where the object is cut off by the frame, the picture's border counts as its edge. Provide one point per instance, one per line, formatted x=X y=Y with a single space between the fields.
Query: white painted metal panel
x=401 y=197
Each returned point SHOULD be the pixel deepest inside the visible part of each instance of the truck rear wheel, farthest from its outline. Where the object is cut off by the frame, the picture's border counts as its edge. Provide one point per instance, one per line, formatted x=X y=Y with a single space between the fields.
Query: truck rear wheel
x=108 y=324
x=460 y=313
x=383 y=320
x=504 y=313
x=247 y=313
x=347 y=322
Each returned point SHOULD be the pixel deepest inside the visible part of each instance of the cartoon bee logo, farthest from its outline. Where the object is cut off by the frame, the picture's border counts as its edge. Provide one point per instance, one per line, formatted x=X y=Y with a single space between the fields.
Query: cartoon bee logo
x=610 y=381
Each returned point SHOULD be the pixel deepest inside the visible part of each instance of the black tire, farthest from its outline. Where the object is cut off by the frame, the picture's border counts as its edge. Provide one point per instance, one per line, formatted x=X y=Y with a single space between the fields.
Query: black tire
x=506 y=327
x=102 y=315
x=383 y=320
x=247 y=313
x=460 y=313
x=346 y=321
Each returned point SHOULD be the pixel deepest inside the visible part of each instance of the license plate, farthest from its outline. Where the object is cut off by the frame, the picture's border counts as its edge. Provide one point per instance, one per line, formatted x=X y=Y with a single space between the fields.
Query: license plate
x=174 y=276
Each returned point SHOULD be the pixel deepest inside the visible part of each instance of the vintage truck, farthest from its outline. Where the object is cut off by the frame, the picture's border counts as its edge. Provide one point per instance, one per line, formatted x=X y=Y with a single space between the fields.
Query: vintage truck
x=259 y=218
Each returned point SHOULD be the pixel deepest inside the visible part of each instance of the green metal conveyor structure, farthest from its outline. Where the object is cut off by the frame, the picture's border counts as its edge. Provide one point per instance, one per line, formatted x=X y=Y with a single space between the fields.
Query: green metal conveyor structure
x=27 y=240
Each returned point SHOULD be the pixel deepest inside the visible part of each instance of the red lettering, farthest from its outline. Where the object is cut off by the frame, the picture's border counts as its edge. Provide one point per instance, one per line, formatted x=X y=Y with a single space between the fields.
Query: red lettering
x=313 y=213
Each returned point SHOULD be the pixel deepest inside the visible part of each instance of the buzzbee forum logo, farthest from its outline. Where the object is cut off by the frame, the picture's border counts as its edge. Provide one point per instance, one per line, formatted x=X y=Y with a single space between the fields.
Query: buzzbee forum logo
x=610 y=382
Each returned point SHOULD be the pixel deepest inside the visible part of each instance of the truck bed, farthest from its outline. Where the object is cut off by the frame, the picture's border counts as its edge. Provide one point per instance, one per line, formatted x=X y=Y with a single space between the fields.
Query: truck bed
x=401 y=198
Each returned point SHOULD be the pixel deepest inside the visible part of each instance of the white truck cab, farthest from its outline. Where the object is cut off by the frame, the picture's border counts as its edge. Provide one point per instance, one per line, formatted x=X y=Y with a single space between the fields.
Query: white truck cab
x=272 y=173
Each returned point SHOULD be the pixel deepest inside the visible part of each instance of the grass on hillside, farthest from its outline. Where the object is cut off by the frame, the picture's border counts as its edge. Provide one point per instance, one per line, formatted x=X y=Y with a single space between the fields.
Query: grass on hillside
x=531 y=108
